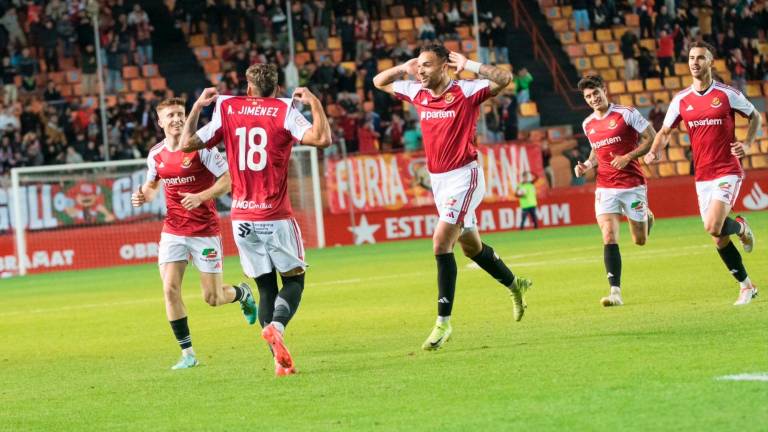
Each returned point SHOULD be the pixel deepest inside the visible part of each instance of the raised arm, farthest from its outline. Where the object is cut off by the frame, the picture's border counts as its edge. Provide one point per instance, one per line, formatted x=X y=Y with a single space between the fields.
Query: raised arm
x=190 y=142
x=500 y=78
x=319 y=135
x=646 y=139
x=383 y=81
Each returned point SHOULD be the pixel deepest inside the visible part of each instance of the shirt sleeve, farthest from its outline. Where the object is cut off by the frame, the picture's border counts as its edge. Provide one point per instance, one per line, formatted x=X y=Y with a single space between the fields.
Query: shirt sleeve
x=212 y=133
x=151 y=168
x=296 y=123
x=214 y=161
x=636 y=120
x=672 y=119
x=476 y=91
x=740 y=103
x=406 y=90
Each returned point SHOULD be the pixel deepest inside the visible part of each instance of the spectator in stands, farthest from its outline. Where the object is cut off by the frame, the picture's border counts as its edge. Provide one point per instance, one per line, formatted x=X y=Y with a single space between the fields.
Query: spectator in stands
x=663 y=21
x=412 y=135
x=629 y=45
x=665 y=52
x=28 y=69
x=523 y=81
x=8 y=120
x=143 y=30
x=444 y=29
x=494 y=132
x=10 y=20
x=89 y=68
x=738 y=68
x=368 y=138
x=580 y=15
x=546 y=158
x=321 y=23
x=485 y=42
x=49 y=40
x=653 y=69
x=403 y=52
x=114 y=68
x=9 y=74
x=51 y=93
x=657 y=113
x=73 y=156
x=395 y=132
x=426 y=31
x=644 y=62
x=646 y=23
x=362 y=34
x=499 y=38
x=508 y=117
x=602 y=15
x=346 y=30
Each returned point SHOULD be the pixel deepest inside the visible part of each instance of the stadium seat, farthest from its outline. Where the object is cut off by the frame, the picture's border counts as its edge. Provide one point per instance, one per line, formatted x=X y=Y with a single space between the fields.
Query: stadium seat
x=617 y=61
x=528 y=109
x=149 y=70
x=567 y=38
x=671 y=83
x=574 y=50
x=741 y=121
x=57 y=77
x=468 y=46
x=130 y=72
x=66 y=90
x=560 y=25
x=675 y=154
x=626 y=100
x=138 y=85
x=385 y=64
x=452 y=45
x=649 y=44
x=586 y=36
x=464 y=32
x=130 y=97
x=552 y=12
x=686 y=81
x=349 y=65
x=616 y=87
x=611 y=47
x=683 y=168
x=684 y=139
x=212 y=66
x=632 y=20
x=157 y=83
x=593 y=49
x=197 y=40
x=582 y=63
x=312 y=44
x=397 y=11
x=759 y=161
x=681 y=69
x=746 y=163
x=653 y=84
x=390 y=38
x=667 y=169
x=417 y=22
x=662 y=95
x=765 y=88
x=387 y=25
x=764 y=146
x=203 y=53
x=566 y=11
x=219 y=50
x=73 y=76
x=753 y=89
x=609 y=74
x=643 y=99
x=603 y=35
x=334 y=43
x=601 y=62
x=404 y=24
x=719 y=65
x=634 y=86
x=618 y=32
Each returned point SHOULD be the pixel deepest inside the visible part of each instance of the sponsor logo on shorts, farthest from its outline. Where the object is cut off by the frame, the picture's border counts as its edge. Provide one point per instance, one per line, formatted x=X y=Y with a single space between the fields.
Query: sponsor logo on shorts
x=637 y=206
x=210 y=253
x=243 y=230
x=725 y=186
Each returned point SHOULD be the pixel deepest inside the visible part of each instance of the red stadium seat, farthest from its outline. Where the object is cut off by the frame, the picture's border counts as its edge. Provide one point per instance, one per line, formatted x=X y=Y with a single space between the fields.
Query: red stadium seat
x=138 y=85
x=73 y=76
x=157 y=83
x=149 y=70
x=130 y=72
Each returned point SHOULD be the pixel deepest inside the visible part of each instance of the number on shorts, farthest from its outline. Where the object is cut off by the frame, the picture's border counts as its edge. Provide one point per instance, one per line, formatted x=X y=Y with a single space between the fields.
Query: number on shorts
x=246 y=158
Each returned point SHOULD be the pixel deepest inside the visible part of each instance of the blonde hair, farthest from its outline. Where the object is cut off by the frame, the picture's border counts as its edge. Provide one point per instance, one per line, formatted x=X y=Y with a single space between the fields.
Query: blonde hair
x=169 y=102
x=263 y=78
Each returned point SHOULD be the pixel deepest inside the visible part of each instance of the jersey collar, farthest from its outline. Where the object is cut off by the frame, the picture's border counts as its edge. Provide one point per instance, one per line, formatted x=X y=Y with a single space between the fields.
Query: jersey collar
x=711 y=87
x=607 y=113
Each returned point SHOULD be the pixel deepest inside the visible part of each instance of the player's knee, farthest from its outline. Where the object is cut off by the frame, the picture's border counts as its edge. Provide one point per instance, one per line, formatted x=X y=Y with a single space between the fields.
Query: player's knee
x=609 y=237
x=713 y=228
x=172 y=291
x=470 y=250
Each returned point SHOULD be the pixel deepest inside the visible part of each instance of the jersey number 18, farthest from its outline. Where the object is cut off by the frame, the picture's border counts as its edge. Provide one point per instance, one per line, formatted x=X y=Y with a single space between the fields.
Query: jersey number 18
x=247 y=158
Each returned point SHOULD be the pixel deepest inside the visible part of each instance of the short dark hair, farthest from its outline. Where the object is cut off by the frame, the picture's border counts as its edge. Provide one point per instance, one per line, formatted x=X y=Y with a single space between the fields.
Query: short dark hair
x=263 y=77
x=440 y=51
x=591 y=82
x=702 y=44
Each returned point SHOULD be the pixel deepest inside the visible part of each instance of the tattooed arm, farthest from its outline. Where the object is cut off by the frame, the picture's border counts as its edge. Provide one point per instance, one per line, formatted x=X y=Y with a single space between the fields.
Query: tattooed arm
x=500 y=78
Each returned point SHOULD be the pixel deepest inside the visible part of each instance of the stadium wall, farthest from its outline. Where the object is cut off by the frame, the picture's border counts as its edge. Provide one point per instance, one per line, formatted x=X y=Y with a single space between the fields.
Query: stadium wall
x=129 y=243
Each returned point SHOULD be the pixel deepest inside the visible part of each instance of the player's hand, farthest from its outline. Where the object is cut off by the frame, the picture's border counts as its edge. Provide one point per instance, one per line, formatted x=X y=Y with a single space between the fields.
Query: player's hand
x=190 y=200
x=620 y=161
x=457 y=61
x=138 y=199
x=738 y=149
x=303 y=95
x=652 y=157
x=207 y=96
x=580 y=169
x=411 y=67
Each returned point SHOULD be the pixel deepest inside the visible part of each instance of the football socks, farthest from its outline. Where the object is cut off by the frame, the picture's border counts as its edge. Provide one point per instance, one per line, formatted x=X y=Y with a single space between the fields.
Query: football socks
x=612 y=258
x=446 y=283
x=732 y=259
x=491 y=263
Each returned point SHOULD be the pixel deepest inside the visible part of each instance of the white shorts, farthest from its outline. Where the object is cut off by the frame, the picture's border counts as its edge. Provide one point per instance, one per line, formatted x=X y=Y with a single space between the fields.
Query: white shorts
x=457 y=194
x=265 y=245
x=725 y=189
x=206 y=252
x=632 y=202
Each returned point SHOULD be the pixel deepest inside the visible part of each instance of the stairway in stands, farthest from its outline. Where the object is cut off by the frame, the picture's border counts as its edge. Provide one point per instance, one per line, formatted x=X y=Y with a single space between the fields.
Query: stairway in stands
x=174 y=58
x=552 y=106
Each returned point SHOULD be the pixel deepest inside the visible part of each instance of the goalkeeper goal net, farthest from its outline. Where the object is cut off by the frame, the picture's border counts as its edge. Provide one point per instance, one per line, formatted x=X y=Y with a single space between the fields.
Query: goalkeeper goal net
x=77 y=216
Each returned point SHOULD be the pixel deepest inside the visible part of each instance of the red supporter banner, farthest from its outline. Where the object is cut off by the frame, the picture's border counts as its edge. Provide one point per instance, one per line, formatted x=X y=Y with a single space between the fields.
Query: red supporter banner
x=396 y=181
x=670 y=197
x=111 y=244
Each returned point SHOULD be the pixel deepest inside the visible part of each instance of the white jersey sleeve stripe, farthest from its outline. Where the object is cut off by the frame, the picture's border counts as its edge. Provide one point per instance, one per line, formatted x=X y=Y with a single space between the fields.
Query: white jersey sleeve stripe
x=673 y=112
x=738 y=101
x=151 y=164
x=409 y=89
x=470 y=87
x=633 y=118
x=295 y=122
x=209 y=131
x=213 y=161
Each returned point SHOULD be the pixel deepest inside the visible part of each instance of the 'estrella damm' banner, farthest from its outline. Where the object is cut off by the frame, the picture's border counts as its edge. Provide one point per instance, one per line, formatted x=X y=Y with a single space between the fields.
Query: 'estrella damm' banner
x=396 y=181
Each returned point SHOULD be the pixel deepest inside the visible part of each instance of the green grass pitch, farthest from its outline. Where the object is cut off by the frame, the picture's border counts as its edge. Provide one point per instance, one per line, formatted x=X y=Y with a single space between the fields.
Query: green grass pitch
x=92 y=350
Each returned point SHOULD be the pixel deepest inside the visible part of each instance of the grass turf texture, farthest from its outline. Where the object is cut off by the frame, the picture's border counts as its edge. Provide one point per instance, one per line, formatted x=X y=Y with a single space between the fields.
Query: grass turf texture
x=92 y=349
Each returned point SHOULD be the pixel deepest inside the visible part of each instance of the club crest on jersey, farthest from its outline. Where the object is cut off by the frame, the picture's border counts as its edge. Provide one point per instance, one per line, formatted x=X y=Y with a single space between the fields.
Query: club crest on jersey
x=449 y=97
x=612 y=124
x=186 y=162
x=715 y=102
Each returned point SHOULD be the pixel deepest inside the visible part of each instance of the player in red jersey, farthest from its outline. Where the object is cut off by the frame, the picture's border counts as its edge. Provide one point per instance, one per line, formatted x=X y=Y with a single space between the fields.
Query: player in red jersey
x=707 y=110
x=191 y=229
x=259 y=131
x=448 y=111
x=619 y=136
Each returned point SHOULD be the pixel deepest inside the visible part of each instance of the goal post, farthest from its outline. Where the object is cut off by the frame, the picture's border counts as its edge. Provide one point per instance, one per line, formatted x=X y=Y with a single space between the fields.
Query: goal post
x=75 y=216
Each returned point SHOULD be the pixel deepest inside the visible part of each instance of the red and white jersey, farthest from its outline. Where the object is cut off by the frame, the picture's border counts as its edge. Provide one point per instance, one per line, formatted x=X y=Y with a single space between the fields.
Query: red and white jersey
x=187 y=173
x=617 y=133
x=258 y=134
x=710 y=121
x=448 y=121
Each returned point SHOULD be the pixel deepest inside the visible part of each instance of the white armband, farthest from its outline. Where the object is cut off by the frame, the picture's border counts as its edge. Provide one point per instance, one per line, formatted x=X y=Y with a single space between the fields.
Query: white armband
x=473 y=66
x=588 y=164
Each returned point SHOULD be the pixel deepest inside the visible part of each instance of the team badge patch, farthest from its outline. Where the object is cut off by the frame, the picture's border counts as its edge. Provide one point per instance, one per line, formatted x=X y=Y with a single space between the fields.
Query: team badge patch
x=612 y=124
x=186 y=162
x=725 y=186
x=449 y=98
x=637 y=206
x=715 y=102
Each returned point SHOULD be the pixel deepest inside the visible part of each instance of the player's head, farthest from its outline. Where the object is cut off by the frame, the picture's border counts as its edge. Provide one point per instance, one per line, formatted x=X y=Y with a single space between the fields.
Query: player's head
x=262 y=80
x=433 y=65
x=171 y=114
x=700 y=58
x=592 y=87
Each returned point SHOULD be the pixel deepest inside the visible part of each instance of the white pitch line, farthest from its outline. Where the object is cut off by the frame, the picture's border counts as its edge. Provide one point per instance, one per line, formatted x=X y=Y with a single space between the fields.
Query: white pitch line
x=756 y=376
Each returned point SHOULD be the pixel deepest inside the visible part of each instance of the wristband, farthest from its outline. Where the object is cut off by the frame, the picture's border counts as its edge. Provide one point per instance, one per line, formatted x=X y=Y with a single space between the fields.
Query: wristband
x=472 y=66
x=588 y=164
